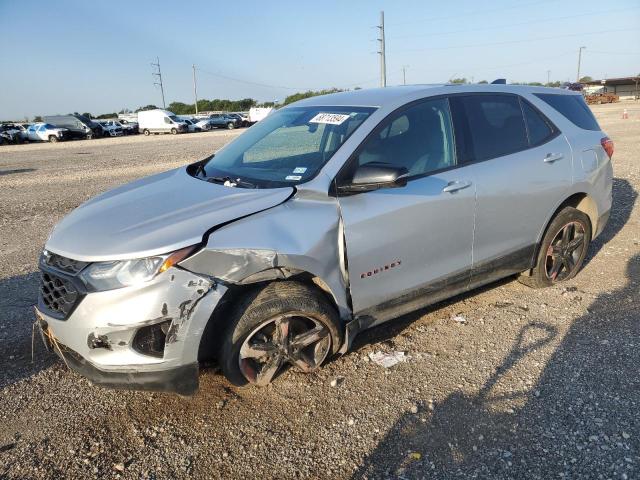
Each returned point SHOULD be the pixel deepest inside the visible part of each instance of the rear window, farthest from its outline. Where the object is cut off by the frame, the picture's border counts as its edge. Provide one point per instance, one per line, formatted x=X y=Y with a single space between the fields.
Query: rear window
x=573 y=107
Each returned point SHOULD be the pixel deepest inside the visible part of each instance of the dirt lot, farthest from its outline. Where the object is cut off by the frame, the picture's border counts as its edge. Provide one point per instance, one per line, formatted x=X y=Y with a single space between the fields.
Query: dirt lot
x=535 y=384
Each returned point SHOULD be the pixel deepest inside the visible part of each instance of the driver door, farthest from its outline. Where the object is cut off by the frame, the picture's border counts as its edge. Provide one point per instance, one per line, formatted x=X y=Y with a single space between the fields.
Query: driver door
x=410 y=246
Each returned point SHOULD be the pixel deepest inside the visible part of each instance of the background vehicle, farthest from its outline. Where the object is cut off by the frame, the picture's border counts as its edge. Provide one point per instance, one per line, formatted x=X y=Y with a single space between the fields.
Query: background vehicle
x=78 y=126
x=110 y=129
x=159 y=121
x=127 y=128
x=46 y=132
x=16 y=131
x=191 y=126
x=202 y=123
x=259 y=113
x=241 y=121
x=222 y=120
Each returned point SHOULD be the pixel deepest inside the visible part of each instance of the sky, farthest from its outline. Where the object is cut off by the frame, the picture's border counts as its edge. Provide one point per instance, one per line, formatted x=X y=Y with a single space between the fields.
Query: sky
x=66 y=56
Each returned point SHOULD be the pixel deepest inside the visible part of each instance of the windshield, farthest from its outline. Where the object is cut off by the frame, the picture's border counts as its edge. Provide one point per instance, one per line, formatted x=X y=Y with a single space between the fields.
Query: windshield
x=287 y=147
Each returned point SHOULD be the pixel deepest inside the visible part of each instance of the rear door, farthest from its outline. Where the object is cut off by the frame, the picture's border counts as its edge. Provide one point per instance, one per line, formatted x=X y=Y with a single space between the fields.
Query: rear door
x=410 y=245
x=524 y=168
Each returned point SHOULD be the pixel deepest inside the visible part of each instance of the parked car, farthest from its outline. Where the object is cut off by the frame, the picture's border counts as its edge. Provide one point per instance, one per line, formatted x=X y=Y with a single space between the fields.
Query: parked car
x=339 y=213
x=259 y=113
x=16 y=131
x=241 y=121
x=191 y=126
x=78 y=126
x=11 y=133
x=127 y=128
x=45 y=132
x=202 y=123
x=222 y=120
x=111 y=129
x=160 y=121
x=5 y=137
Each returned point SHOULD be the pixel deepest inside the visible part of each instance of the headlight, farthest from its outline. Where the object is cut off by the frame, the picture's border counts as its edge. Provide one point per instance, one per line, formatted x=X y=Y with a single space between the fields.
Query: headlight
x=101 y=276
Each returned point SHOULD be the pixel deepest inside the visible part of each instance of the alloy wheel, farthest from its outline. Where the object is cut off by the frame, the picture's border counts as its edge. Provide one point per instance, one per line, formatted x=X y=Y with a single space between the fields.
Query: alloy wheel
x=565 y=251
x=293 y=339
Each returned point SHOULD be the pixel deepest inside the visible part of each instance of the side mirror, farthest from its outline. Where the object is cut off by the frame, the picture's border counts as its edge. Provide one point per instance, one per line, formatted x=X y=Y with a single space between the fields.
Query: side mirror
x=373 y=176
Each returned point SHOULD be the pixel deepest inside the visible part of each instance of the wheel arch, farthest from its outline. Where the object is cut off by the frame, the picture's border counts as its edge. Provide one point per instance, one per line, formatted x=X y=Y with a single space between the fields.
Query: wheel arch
x=580 y=201
x=212 y=335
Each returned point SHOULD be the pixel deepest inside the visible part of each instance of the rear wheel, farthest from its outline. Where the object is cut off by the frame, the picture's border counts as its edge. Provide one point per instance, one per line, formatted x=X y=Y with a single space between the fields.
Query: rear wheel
x=146 y=132
x=230 y=126
x=562 y=250
x=282 y=325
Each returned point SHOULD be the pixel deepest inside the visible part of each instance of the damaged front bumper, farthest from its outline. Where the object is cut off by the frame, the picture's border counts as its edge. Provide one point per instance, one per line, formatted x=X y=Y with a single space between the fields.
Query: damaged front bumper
x=141 y=338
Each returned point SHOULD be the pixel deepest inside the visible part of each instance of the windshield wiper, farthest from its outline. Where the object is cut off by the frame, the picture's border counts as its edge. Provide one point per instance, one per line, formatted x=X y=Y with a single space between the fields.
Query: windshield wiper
x=228 y=181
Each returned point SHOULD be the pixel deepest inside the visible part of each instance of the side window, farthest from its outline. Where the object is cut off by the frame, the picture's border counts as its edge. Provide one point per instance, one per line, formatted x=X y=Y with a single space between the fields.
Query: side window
x=167 y=120
x=573 y=107
x=42 y=128
x=419 y=139
x=540 y=131
x=488 y=126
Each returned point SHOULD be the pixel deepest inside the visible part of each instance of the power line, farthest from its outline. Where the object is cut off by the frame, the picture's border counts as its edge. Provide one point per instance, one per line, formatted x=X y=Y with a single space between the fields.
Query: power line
x=507 y=25
x=475 y=12
x=257 y=84
x=518 y=41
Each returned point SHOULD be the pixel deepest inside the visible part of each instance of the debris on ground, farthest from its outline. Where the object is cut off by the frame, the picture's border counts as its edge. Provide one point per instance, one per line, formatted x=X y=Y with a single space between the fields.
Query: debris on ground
x=388 y=360
x=459 y=319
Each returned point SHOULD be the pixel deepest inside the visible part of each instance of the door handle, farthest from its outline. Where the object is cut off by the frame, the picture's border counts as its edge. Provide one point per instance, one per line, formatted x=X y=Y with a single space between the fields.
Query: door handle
x=455 y=186
x=553 y=157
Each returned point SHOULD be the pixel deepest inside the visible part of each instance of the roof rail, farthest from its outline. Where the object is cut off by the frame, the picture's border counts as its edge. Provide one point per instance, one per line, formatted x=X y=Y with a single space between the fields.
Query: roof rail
x=499 y=81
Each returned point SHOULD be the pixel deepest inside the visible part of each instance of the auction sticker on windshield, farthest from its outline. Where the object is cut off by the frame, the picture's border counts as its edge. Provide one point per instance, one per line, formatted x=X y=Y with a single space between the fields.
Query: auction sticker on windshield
x=330 y=118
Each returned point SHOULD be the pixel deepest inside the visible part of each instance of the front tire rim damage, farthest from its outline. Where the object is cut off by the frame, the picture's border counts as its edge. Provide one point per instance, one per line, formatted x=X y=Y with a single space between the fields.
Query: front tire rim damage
x=565 y=251
x=294 y=339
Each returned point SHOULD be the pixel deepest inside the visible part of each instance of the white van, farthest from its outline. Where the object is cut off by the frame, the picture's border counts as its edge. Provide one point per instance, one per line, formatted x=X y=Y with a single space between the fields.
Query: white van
x=160 y=121
x=258 y=113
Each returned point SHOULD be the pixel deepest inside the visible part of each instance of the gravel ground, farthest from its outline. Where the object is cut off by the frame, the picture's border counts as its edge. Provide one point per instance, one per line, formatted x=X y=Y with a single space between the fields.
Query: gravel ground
x=532 y=384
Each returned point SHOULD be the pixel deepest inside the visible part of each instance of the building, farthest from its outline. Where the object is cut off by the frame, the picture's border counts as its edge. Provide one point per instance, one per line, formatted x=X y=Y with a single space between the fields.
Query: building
x=627 y=88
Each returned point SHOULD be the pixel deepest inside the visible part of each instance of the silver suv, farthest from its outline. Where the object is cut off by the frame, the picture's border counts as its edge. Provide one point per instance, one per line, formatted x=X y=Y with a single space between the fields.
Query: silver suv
x=330 y=216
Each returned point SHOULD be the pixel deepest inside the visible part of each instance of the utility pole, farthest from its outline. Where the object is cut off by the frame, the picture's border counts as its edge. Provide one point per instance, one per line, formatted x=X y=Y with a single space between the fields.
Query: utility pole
x=159 y=82
x=579 y=61
x=404 y=74
x=383 y=66
x=195 y=88
x=548 y=77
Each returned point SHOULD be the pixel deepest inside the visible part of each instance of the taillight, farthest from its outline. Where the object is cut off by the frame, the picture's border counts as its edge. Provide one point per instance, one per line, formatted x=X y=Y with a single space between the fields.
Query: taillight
x=607 y=144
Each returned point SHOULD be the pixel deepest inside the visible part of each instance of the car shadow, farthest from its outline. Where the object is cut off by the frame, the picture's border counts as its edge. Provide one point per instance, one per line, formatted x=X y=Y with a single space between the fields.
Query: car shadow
x=18 y=295
x=16 y=170
x=578 y=420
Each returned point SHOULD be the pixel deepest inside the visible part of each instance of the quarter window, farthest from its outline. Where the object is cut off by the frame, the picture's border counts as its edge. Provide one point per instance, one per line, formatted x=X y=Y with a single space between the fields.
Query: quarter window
x=539 y=129
x=488 y=126
x=419 y=139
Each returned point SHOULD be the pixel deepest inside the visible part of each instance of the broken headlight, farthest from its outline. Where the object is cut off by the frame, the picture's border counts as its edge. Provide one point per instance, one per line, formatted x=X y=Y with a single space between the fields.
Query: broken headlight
x=101 y=276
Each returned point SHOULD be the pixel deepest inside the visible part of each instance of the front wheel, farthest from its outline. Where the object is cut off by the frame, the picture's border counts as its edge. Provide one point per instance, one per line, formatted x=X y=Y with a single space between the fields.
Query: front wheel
x=53 y=139
x=174 y=131
x=230 y=126
x=281 y=325
x=563 y=249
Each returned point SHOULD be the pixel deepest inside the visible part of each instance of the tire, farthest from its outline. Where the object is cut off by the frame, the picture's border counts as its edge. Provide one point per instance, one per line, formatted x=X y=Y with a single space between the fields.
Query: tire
x=258 y=324
x=174 y=131
x=231 y=126
x=146 y=132
x=53 y=139
x=561 y=252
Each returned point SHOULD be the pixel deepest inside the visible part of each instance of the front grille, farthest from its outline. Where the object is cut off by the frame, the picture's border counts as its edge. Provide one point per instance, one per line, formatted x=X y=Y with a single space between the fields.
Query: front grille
x=58 y=295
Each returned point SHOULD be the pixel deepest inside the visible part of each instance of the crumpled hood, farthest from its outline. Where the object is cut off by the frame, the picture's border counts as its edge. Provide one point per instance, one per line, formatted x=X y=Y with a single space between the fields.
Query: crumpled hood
x=154 y=215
